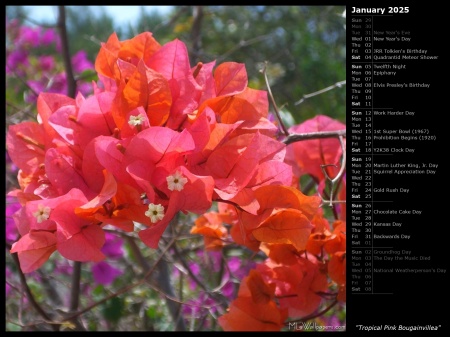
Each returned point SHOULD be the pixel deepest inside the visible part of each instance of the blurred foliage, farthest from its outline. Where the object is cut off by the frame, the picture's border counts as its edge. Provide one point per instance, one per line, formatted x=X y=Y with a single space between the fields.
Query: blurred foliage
x=305 y=46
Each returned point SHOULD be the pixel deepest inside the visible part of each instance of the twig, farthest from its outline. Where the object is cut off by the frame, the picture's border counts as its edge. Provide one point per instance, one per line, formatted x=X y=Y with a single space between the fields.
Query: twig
x=75 y=291
x=211 y=293
x=243 y=43
x=305 y=97
x=340 y=173
x=71 y=83
x=196 y=33
x=50 y=288
x=164 y=282
x=309 y=185
x=124 y=289
x=26 y=18
x=170 y=22
x=30 y=296
x=23 y=81
x=277 y=112
x=334 y=201
x=295 y=137
x=26 y=110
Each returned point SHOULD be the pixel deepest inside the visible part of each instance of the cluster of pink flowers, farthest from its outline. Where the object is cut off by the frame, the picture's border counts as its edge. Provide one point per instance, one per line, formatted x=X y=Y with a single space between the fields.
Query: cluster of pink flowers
x=156 y=137
x=42 y=73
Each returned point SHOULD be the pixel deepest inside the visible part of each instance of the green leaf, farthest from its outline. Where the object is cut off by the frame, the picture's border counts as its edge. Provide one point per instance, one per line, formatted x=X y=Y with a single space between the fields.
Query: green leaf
x=112 y=310
x=88 y=75
x=151 y=312
x=99 y=290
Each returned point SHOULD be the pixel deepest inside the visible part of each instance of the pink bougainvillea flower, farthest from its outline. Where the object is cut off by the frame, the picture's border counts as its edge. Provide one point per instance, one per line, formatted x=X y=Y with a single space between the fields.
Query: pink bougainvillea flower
x=30 y=35
x=47 y=104
x=254 y=309
x=79 y=124
x=12 y=206
x=145 y=88
x=284 y=217
x=127 y=63
x=77 y=239
x=308 y=156
x=230 y=78
x=26 y=146
x=113 y=247
x=172 y=62
x=60 y=228
x=104 y=273
x=116 y=204
x=142 y=46
x=297 y=284
x=196 y=196
x=108 y=152
x=80 y=62
x=15 y=59
x=210 y=225
x=337 y=268
x=46 y=62
x=49 y=36
x=207 y=135
x=34 y=249
x=203 y=74
x=234 y=164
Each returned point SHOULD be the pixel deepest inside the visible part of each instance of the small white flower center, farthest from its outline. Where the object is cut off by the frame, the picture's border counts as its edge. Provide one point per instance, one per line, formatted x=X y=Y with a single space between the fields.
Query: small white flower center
x=176 y=181
x=42 y=213
x=136 y=120
x=155 y=212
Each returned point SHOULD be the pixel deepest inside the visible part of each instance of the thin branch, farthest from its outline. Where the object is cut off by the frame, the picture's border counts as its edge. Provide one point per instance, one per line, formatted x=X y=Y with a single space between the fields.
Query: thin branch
x=308 y=186
x=137 y=253
x=50 y=288
x=176 y=300
x=163 y=279
x=196 y=33
x=243 y=43
x=334 y=201
x=325 y=294
x=71 y=91
x=71 y=83
x=338 y=176
x=75 y=291
x=26 y=110
x=305 y=97
x=23 y=81
x=170 y=22
x=295 y=137
x=43 y=25
x=29 y=294
x=189 y=271
x=174 y=305
x=223 y=304
x=127 y=288
x=277 y=112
